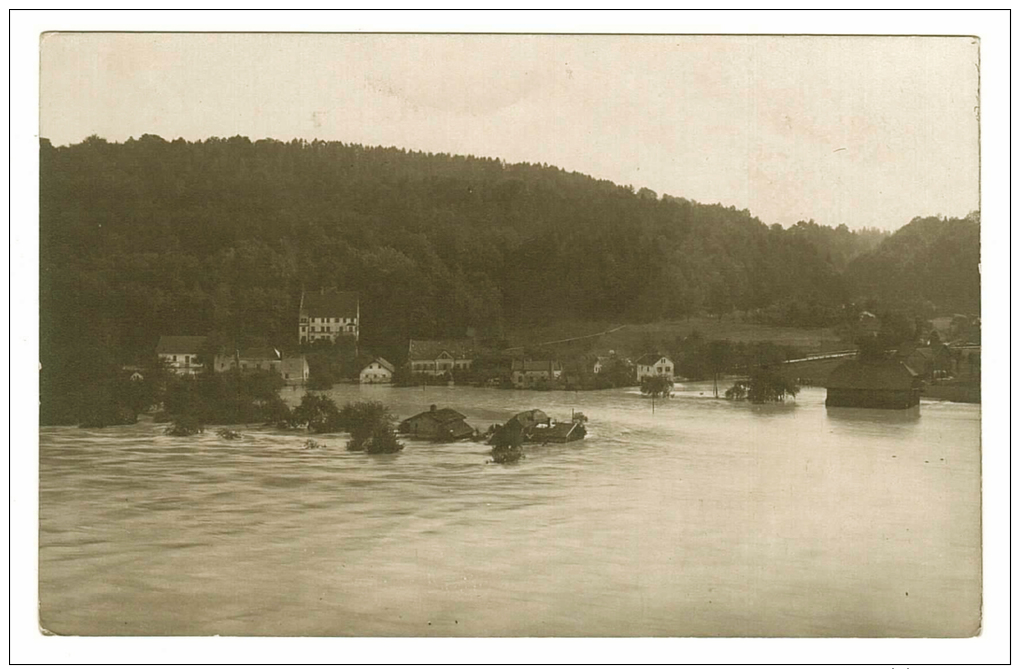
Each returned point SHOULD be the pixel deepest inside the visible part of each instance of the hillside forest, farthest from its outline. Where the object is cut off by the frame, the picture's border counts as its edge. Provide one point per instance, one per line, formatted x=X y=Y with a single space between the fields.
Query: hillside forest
x=152 y=237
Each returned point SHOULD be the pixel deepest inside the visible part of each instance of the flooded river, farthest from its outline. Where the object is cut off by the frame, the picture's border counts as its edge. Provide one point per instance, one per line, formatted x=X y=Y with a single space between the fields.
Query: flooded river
x=704 y=518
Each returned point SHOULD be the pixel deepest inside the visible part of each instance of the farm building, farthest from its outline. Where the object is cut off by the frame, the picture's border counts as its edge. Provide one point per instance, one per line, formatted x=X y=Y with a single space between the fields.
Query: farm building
x=437 y=424
x=884 y=384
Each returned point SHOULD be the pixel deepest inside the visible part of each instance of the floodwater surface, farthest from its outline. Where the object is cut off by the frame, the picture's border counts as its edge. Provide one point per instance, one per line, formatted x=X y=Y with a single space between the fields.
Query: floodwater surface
x=705 y=517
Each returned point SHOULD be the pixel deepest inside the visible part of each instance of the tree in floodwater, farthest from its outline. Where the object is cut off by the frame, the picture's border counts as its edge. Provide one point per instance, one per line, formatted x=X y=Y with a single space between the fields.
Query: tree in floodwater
x=370 y=425
x=656 y=387
x=763 y=386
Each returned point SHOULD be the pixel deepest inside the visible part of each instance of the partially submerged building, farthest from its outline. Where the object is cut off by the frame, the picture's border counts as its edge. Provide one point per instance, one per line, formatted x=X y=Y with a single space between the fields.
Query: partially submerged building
x=881 y=384
x=436 y=424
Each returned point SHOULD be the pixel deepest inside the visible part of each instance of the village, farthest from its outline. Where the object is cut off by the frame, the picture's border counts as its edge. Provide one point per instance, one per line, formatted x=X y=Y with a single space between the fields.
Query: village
x=887 y=379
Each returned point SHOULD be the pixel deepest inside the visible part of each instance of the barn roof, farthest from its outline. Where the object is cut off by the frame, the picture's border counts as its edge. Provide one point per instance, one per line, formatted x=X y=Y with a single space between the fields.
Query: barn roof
x=440 y=416
x=881 y=375
x=329 y=303
x=180 y=344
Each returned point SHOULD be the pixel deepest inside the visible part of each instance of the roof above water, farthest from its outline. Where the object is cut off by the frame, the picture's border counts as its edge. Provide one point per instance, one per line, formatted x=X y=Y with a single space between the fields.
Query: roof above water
x=883 y=375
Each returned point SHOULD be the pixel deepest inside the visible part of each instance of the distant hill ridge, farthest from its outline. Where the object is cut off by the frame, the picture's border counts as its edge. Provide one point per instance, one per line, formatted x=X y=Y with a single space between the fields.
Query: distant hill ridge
x=148 y=236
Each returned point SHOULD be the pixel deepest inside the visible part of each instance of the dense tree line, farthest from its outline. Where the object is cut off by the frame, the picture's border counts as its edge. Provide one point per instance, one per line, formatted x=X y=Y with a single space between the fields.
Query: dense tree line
x=928 y=267
x=151 y=237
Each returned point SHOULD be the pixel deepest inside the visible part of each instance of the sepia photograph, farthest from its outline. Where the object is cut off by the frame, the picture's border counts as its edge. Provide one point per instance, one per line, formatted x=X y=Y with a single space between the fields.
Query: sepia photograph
x=509 y=335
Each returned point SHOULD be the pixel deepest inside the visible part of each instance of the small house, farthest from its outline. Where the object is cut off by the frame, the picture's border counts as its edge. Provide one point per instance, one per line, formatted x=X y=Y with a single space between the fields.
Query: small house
x=436 y=424
x=654 y=364
x=295 y=370
x=181 y=353
x=882 y=384
x=378 y=371
x=531 y=373
x=437 y=357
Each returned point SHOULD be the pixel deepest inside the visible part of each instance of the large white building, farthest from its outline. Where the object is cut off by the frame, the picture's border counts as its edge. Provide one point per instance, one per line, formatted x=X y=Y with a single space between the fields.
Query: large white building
x=328 y=314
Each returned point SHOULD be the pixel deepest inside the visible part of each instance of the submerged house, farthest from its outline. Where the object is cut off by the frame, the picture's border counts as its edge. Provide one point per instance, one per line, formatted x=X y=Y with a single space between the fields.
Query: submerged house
x=882 y=384
x=379 y=370
x=437 y=424
x=181 y=353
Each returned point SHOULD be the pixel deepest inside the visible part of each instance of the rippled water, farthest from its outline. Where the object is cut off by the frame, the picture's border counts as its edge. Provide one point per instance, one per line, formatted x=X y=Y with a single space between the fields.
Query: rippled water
x=704 y=518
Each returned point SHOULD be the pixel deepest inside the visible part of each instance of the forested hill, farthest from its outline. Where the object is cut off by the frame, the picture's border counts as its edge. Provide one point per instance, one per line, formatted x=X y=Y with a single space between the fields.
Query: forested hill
x=152 y=237
x=933 y=260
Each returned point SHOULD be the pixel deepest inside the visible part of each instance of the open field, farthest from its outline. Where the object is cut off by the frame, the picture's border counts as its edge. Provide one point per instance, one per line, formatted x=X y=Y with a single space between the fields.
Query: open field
x=633 y=339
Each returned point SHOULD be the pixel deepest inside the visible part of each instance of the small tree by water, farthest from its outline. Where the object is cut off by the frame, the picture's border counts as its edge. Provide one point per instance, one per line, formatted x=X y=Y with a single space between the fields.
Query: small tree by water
x=656 y=387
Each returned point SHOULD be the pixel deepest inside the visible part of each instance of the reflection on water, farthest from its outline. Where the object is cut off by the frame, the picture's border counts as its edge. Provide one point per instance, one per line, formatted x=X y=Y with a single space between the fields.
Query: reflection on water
x=704 y=518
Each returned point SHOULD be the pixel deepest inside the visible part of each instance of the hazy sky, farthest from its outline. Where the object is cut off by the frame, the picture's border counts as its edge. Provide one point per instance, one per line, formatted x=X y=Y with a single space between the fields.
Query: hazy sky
x=866 y=131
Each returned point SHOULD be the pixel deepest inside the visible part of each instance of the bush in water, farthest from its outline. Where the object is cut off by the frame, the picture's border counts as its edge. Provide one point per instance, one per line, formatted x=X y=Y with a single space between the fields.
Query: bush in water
x=184 y=426
x=763 y=386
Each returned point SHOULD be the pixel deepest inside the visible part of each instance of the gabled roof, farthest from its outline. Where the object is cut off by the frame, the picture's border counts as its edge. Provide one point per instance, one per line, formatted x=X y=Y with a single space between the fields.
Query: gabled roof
x=180 y=344
x=260 y=353
x=440 y=416
x=329 y=303
x=650 y=359
x=431 y=349
x=881 y=375
x=384 y=363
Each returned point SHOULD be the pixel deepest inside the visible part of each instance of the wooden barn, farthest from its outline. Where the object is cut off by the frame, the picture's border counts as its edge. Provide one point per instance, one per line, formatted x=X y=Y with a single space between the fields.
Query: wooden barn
x=884 y=384
x=437 y=424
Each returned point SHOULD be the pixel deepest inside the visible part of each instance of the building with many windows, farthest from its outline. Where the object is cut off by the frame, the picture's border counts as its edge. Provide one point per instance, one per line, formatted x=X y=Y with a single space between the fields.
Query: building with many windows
x=327 y=315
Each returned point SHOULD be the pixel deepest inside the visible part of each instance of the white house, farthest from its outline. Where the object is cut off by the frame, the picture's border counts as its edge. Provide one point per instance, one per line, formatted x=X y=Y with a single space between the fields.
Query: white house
x=181 y=353
x=378 y=371
x=654 y=364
